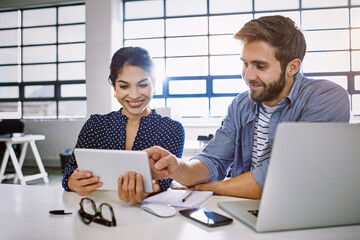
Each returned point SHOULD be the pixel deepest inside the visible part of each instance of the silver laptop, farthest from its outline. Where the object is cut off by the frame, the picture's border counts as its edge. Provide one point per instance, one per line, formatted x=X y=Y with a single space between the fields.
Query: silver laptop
x=313 y=180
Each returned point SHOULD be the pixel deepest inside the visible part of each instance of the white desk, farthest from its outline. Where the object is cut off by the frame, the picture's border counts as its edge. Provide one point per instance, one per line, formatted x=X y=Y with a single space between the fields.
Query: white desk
x=9 y=153
x=25 y=215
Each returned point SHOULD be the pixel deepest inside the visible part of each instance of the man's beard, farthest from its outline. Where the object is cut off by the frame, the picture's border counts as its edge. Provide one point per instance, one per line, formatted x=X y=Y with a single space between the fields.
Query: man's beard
x=270 y=92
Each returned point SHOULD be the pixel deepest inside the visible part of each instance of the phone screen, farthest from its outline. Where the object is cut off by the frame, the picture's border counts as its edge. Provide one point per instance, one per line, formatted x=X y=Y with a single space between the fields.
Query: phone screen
x=207 y=217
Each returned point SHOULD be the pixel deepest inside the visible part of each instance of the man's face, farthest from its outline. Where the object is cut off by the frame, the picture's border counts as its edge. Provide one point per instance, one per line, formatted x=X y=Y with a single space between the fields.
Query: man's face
x=262 y=73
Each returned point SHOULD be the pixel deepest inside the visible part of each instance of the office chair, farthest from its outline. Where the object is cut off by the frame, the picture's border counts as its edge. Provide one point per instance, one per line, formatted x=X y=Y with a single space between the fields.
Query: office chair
x=8 y=127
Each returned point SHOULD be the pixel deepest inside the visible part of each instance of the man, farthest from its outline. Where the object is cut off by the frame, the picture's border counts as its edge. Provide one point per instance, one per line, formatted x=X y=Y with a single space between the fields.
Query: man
x=273 y=49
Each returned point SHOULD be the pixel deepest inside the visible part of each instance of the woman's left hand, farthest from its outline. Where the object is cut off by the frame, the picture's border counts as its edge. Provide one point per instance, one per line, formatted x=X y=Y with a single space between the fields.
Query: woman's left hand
x=130 y=188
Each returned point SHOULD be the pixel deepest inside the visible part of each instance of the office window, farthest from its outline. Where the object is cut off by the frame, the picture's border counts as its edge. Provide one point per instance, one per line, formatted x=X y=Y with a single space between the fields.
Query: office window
x=198 y=60
x=42 y=62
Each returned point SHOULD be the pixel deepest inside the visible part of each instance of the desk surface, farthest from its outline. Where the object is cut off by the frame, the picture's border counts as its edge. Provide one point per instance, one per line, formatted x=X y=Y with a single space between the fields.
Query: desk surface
x=25 y=215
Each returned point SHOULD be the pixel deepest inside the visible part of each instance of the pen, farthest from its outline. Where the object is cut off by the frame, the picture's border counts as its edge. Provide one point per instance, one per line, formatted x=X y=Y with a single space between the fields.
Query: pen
x=59 y=212
x=187 y=196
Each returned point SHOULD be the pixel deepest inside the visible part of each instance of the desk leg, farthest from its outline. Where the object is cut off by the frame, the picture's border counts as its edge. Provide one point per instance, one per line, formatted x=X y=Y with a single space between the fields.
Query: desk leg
x=3 y=165
x=21 y=160
x=15 y=163
x=39 y=162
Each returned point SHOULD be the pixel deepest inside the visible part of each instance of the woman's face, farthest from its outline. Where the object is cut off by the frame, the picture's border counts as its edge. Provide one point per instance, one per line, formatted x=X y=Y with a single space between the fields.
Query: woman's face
x=134 y=90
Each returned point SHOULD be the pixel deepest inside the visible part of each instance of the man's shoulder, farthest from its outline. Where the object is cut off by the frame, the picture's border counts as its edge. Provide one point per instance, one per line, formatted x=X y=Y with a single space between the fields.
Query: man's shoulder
x=308 y=83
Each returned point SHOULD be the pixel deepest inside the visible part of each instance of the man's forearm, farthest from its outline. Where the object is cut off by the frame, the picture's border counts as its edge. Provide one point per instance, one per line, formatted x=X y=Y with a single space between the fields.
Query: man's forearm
x=192 y=173
x=243 y=185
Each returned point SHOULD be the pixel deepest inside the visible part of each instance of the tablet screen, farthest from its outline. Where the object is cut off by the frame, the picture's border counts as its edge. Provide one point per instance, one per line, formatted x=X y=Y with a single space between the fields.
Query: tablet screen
x=108 y=165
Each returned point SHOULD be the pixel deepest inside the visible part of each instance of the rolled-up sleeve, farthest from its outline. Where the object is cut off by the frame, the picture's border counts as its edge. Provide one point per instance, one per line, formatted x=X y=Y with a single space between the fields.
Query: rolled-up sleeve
x=218 y=155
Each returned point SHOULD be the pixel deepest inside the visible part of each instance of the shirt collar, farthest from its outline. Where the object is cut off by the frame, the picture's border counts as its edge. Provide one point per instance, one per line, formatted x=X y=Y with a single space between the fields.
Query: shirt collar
x=152 y=115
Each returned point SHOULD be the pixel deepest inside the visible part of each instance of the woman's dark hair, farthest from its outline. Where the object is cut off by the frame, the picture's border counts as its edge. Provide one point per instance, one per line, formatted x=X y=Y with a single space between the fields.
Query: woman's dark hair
x=133 y=56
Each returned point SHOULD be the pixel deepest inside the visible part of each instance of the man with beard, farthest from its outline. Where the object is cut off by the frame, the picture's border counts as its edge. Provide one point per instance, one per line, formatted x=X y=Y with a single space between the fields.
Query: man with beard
x=273 y=49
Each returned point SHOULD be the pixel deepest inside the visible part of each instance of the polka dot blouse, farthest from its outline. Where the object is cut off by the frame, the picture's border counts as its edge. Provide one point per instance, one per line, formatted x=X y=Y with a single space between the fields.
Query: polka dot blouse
x=108 y=131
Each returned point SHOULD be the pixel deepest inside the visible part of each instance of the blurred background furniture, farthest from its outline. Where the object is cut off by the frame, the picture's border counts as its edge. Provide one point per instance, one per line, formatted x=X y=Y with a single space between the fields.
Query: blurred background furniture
x=13 y=145
x=7 y=128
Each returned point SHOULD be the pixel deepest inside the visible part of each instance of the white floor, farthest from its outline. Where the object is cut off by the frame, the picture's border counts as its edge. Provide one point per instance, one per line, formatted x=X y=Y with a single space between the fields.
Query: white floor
x=54 y=174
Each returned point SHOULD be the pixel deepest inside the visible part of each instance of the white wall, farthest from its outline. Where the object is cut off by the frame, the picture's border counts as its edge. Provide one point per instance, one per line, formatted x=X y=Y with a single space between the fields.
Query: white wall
x=59 y=134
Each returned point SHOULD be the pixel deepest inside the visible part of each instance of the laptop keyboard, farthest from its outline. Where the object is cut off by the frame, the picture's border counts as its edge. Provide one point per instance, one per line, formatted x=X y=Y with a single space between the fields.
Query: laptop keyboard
x=254 y=212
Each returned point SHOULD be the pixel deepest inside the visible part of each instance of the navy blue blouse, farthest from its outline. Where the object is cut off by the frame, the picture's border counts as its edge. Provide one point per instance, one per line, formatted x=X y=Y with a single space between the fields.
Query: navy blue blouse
x=108 y=131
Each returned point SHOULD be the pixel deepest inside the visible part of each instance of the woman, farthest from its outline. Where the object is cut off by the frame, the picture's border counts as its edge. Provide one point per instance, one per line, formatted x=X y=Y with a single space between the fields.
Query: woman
x=134 y=127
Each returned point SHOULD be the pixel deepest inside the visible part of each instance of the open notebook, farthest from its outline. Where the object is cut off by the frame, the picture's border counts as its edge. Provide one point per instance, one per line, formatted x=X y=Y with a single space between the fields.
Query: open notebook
x=175 y=197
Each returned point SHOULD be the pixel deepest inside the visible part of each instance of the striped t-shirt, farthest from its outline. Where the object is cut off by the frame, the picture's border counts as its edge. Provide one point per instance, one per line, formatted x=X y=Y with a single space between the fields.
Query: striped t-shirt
x=261 y=148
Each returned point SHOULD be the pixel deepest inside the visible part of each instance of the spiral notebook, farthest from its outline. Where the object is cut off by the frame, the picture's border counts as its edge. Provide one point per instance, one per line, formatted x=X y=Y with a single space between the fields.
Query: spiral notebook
x=175 y=198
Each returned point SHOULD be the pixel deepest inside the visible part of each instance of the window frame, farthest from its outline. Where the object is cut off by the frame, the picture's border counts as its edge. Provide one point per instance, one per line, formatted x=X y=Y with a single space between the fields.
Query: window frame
x=57 y=98
x=210 y=78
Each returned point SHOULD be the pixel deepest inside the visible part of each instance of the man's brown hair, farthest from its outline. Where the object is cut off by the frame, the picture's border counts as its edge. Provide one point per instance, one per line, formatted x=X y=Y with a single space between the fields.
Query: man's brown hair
x=278 y=31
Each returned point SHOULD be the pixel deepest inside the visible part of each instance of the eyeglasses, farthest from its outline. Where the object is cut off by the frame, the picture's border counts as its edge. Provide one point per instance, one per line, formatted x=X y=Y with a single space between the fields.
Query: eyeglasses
x=103 y=215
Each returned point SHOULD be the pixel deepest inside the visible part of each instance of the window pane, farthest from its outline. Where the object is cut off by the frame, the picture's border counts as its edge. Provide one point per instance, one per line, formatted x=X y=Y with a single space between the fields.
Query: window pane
x=43 y=72
x=142 y=29
x=185 y=7
x=327 y=3
x=71 y=71
x=227 y=6
x=229 y=86
x=327 y=62
x=144 y=9
x=9 y=38
x=39 y=17
x=72 y=52
x=39 y=54
x=261 y=5
x=355 y=103
x=72 y=109
x=189 y=107
x=39 y=35
x=186 y=46
x=9 y=55
x=329 y=18
x=340 y=80
x=39 y=109
x=157 y=103
x=159 y=74
x=9 y=92
x=9 y=73
x=226 y=44
x=355 y=2
x=71 y=14
x=229 y=24
x=187 y=87
x=73 y=33
x=73 y=90
x=355 y=39
x=9 y=107
x=186 y=26
x=190 y=66
x=225 y=65
x=39 y=91
x=355 y=17
x=357 y=83
x=327 y=40
x=9 y=19
x=293 y=15
x=355 y=60
x=154 y=46
x=219 y=106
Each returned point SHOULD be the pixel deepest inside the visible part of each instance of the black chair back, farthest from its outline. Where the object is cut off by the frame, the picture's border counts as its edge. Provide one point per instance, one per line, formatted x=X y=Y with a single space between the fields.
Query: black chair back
x=9 y=126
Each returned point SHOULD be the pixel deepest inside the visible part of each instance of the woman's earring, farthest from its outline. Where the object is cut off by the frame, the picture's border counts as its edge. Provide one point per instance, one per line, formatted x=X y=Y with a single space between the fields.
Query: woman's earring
x=114 y=94
x=154 y=92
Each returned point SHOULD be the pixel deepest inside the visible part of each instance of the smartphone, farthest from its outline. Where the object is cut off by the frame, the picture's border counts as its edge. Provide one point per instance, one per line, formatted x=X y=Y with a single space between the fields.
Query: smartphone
x=207 y=217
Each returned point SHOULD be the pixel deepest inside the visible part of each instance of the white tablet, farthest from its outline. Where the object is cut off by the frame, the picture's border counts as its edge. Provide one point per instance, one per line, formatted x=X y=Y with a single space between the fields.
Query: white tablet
x=108 y=165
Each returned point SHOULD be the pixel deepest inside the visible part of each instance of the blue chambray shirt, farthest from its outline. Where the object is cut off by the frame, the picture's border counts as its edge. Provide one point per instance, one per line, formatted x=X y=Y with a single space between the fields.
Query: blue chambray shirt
x=308 y=101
